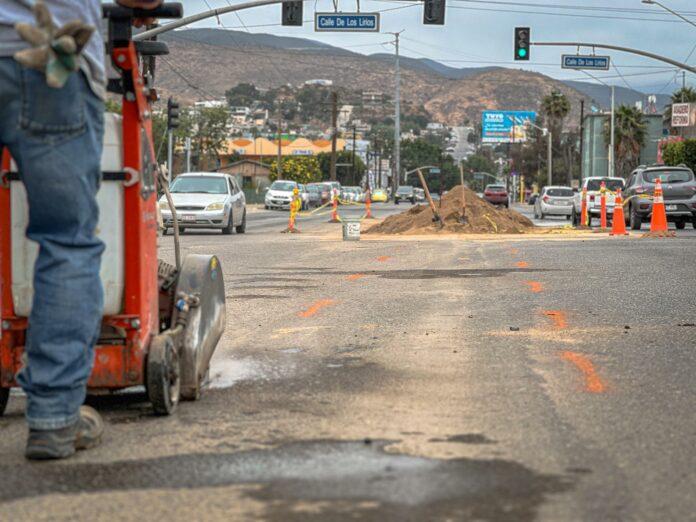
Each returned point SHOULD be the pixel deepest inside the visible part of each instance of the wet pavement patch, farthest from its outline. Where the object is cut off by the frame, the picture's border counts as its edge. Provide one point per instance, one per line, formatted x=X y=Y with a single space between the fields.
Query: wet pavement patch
x=467 y=438
x=377 y=485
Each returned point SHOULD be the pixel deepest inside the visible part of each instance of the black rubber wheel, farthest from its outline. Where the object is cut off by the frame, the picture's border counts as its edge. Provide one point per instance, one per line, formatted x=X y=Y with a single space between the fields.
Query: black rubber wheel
x=635 y=221
x=574 y=218
x=230 y=226
x=242 y=228
x=163 y=379
x=693 y=223
x=541 y=216
x=413 y=201
x=165 y=231
x=4 y=398
x=396 y=201
x=567 y=218
x=681 y=225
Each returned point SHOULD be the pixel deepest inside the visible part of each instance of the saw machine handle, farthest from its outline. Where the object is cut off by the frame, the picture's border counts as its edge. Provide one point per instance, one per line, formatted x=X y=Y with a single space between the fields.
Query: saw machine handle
x=169 y=10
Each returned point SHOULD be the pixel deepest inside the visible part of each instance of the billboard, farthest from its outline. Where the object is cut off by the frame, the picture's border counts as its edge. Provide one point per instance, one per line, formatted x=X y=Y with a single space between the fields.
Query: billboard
x=682 y=114
x=498 y=126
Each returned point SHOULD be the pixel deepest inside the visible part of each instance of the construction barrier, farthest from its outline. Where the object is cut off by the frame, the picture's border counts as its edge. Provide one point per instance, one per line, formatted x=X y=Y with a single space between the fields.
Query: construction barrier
x=295 y=206
x=618 y=223
x=334 y=212
x=368 y=205
x=583 y=208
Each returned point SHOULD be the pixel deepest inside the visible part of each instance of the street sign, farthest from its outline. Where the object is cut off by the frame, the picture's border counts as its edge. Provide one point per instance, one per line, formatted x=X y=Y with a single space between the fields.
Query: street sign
x=498 y=127
x=590 y=62
x=346 y=22
x=434 y=171
x=681 y=114
x=478 y=176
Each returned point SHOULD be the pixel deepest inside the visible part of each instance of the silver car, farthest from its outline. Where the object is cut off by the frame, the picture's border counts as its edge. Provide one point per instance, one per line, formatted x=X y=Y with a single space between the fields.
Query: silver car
x=205 y=200
x=554 y=201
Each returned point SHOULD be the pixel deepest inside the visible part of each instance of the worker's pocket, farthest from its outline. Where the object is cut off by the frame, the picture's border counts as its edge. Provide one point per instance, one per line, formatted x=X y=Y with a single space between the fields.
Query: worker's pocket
x=52 y=115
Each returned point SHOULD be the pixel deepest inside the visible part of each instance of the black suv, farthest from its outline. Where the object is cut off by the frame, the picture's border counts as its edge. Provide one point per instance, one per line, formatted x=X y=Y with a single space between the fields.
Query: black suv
x=405 y=192
x=678 y=188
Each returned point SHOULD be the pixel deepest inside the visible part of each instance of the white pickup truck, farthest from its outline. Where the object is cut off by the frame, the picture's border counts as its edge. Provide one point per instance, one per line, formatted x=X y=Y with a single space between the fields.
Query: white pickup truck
x=593 y=186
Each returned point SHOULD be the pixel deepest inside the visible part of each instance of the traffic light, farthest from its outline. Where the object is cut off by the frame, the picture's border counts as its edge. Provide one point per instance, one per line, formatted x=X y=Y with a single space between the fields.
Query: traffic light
x=292 y=13
x=522 y=43
x=172 y=114
x=434 y=12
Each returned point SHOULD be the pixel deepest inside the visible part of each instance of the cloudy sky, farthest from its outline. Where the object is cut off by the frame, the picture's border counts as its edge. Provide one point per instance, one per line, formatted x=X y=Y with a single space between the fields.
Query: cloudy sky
x=480 y=32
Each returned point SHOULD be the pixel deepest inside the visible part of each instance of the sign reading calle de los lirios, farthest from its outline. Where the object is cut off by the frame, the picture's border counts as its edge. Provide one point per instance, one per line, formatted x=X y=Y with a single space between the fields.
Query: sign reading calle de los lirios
x=591 y=62
x=505 y=126
x=347 y=22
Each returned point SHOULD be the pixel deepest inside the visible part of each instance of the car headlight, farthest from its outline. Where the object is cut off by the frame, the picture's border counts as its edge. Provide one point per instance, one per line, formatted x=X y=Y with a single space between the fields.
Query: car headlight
x=164 y=206
x=215 y=206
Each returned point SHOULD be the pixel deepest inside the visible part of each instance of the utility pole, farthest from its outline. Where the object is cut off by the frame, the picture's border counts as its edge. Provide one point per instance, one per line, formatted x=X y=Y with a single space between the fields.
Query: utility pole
x=354 y=176
x=549 y=159
x=334 y=132
x=170 y=153
x=582 y=136
x=397 y=115
x=611 y=140
x=279 y=167
x=188 y=154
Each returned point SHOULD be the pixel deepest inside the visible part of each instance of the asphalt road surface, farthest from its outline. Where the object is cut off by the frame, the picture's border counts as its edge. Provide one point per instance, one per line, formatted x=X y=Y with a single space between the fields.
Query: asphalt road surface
x=404 y=378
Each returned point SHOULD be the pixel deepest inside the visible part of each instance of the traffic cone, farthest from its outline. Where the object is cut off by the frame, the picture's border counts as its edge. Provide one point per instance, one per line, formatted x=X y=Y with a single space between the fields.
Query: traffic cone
x=603 y=206
x=368 y=205
x=658 y=220
x=583 y=208
x=294 y=207
x=334 y=211
x=618 y=223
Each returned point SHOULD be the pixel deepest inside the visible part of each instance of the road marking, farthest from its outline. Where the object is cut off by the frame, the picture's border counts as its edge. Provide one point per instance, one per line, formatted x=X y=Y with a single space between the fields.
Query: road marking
x=593 y=383
x=355 y=277
x=558 y=317
x=535 y=286
x=382 y=259
x=322 y=303
x=522 y=264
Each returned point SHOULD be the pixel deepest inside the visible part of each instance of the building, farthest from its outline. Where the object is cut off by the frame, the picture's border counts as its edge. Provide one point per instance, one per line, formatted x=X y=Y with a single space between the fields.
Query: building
x=595 y=152
x=249 y=174
x=323 y=83
x=260 y=148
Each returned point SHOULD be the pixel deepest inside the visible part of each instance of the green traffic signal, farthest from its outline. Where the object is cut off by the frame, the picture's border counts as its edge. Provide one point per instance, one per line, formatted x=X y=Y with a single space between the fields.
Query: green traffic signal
x=522 y=43
x=522 y=53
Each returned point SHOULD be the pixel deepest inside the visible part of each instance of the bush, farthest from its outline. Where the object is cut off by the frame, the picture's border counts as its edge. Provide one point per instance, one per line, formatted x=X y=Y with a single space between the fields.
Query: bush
x=302 y=169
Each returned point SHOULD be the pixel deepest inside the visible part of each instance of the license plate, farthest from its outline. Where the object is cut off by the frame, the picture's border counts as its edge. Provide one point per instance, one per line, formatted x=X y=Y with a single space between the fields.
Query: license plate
x=188 y=217
x=671 y=207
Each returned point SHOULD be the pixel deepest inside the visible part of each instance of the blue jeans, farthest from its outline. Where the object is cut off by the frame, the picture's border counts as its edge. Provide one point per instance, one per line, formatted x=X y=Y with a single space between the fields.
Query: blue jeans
x=55 y=137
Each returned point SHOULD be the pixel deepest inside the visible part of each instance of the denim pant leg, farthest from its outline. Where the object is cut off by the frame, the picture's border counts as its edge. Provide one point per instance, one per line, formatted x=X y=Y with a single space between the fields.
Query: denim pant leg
x=55 y=136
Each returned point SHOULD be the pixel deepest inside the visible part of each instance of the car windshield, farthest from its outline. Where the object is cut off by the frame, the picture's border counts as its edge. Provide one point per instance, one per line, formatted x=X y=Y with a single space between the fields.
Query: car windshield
x=611 y=184
x=405 y=189
x=668 y=176
x=199 y=185
x=285 y=186
x=560 y=192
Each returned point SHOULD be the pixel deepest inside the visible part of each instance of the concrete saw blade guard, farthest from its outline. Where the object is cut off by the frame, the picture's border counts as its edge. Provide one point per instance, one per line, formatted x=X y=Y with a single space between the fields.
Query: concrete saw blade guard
x=200 y=276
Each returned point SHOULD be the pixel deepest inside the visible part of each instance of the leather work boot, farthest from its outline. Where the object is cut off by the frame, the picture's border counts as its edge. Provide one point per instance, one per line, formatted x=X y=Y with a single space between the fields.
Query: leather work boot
x=86 y=433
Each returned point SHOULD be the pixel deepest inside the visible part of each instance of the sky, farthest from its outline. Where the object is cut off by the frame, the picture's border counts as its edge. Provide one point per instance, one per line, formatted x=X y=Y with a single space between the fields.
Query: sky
x=480 y=32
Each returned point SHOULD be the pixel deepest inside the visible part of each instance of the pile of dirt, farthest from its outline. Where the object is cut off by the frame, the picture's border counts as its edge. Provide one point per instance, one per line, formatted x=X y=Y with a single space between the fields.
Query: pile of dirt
x=481 y=218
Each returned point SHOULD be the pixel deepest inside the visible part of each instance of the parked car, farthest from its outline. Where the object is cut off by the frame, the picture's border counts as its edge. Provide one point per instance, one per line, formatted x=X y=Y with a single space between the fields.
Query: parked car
x=334 y=188
x=323 y=190
x=678 y=189
x=379 y=196
x=279 y=194
x=420 y=194
x=205 y=200
x=314 y=194
x=554 y=201
x=304 y=196
x=405 y=193
x=496 y=194
x=593 y=185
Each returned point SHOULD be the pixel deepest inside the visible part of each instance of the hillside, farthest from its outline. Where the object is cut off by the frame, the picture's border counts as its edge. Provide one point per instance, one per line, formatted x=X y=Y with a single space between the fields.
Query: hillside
x=204 y=63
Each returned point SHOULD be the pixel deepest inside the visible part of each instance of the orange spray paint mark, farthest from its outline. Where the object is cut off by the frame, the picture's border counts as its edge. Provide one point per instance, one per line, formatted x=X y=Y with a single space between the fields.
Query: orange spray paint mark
x=535 y=286
x=322 y=303
x=593 y=383
x=355 y=277
x=558 y=317
x=522 y=264
x=382 y=259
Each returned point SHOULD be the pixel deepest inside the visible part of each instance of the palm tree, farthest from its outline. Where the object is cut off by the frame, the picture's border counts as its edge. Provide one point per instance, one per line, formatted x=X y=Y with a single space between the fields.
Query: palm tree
x=555 y=107
x=630 y=130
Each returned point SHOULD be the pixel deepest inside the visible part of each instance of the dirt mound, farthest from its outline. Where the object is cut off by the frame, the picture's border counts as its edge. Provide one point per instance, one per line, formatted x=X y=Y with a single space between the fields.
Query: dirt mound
x=481 y=218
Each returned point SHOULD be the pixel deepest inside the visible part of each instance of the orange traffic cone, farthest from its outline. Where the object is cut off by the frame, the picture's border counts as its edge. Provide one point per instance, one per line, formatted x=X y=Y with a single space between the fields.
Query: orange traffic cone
x=368 y=205
x=658 y=220
x=334 y=212
x=618 y=223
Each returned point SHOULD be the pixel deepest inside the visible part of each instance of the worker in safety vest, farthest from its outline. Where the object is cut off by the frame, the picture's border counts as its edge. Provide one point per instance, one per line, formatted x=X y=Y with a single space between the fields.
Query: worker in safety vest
x=51 y=121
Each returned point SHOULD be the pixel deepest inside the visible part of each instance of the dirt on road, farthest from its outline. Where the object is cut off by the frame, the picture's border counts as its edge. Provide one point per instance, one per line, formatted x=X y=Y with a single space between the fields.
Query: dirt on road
x=481 y=218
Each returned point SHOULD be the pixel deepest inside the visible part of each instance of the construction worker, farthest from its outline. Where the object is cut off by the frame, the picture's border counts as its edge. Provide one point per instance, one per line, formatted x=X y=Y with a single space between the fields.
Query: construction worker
x=51 y=120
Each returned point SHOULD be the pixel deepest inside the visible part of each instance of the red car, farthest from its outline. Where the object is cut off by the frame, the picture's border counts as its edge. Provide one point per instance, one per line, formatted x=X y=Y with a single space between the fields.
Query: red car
x=496 y=195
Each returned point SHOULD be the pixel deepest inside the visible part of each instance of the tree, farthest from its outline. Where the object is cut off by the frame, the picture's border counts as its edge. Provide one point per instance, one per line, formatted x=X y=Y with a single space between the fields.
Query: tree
x=630 y=130
x=207 y=128
x=555 y=108
x=345 y=175
x=302 y=169
x=243 y=94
